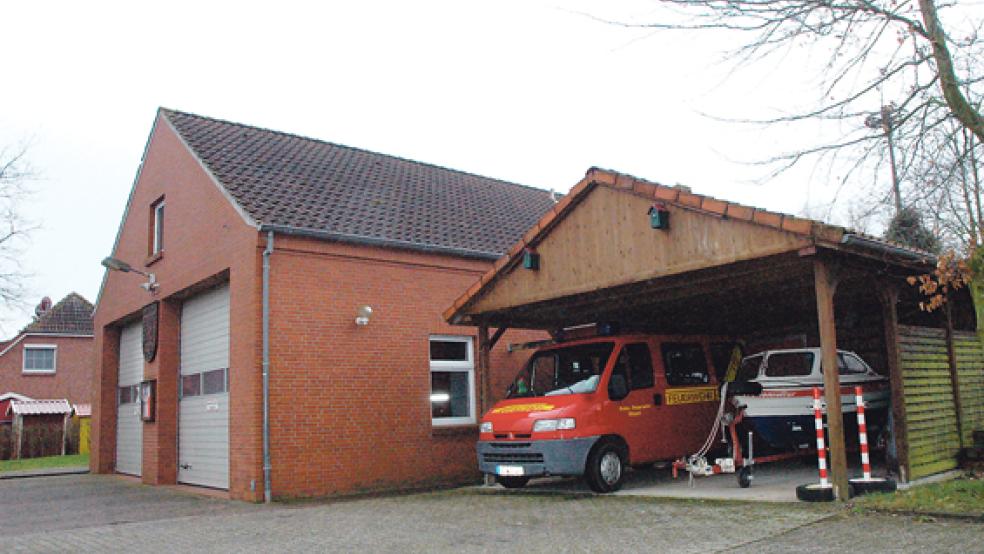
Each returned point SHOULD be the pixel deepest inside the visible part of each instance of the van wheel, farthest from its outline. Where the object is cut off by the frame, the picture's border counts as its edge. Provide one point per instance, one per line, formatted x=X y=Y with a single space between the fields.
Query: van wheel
x=513 y=482
x=606 y=466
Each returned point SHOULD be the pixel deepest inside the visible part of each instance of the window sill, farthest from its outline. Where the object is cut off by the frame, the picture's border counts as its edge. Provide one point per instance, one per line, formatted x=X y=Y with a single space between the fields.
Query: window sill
x=454 y=430
x=38 y=372
x=153 y=258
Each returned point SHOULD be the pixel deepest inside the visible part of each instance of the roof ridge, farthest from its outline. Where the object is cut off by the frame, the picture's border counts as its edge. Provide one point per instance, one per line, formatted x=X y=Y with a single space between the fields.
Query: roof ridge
x=167 y=111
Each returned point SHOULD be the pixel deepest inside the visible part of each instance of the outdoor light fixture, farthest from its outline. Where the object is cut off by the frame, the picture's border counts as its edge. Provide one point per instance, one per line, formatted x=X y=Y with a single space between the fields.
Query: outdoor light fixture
x=362 y=315
x=659 y=217
x=531 y=260
x=114 y=264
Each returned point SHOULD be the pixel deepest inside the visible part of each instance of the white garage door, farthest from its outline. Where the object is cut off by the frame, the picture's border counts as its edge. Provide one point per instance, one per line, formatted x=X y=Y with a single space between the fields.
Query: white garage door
x=129 y=427
x=203 y=420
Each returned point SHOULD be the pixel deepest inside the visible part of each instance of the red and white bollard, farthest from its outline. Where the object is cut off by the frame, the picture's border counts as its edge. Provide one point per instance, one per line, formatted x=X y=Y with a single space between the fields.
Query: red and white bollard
x=862 y=434
x=866 y=483
x=813 y=492
x=821 y=448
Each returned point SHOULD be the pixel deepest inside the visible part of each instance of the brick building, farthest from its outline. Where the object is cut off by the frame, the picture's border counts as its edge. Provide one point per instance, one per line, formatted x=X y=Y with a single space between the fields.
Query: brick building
x=256 y=249
x=53 y=356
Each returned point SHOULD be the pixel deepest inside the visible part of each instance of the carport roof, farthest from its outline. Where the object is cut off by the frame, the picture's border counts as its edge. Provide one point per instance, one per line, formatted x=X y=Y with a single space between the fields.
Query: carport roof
x=790 y=239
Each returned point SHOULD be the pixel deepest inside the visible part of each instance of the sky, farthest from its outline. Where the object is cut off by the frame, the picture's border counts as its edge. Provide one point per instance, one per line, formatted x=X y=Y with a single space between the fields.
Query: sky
x=531 y=91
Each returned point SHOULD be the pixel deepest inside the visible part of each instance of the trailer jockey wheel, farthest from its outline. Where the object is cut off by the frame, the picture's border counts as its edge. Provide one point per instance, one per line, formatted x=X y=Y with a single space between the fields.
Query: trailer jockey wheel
x=745 y=477
x=512 y=482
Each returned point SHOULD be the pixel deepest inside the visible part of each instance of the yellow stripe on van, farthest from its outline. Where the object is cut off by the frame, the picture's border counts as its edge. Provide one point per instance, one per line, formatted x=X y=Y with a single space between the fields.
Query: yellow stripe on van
x=691 y=395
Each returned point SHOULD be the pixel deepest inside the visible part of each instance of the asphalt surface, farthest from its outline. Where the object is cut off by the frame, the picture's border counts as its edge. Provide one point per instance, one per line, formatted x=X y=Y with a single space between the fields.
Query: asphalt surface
x=102 y=513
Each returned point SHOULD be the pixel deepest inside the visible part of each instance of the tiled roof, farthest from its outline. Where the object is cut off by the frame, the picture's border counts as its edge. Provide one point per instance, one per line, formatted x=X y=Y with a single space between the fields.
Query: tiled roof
x=71 y=316
x=39 y=407
x=285 y=180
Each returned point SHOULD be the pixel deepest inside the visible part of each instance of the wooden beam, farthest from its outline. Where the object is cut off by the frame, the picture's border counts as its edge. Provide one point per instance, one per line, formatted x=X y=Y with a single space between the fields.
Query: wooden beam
x=951 y=355
x=888 y=294
x=484 y=362
x=825 y=280
x=498 y=335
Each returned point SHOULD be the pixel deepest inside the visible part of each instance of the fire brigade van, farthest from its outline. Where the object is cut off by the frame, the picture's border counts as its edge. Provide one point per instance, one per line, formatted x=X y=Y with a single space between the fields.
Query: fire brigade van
x=594 y=406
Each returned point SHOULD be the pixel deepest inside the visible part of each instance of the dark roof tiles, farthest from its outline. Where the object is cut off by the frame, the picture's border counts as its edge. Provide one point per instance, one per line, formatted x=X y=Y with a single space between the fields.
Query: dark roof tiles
x=71 y=316
x=286 y=180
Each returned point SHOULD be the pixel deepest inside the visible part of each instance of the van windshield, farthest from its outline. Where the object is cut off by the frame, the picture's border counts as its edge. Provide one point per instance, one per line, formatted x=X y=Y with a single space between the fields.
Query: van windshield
x=571 y=370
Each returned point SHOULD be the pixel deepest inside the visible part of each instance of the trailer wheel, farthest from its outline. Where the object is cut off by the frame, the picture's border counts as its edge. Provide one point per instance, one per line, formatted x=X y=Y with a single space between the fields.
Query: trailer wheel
x=512 y=482
x=606 y=466
x=861 y=486
x=745 y=477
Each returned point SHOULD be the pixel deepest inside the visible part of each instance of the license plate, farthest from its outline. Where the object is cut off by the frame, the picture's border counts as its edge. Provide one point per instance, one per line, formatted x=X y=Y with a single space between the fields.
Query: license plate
x=509 y=470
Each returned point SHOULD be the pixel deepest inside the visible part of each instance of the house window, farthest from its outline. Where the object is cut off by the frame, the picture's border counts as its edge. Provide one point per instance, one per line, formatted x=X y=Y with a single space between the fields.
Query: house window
x=39 y=358
x=452 y=369
x=157 y=228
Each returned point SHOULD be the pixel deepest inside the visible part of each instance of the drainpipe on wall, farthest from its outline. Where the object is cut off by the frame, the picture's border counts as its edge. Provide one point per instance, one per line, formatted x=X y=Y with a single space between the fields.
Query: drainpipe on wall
x=266 y=367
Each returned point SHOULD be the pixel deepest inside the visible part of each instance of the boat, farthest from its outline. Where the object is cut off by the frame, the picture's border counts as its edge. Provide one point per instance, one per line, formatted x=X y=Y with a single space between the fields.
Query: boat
x=782 y=414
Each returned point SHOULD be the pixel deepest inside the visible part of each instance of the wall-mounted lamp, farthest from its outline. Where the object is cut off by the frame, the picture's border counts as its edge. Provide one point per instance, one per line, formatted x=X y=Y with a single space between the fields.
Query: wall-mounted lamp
x=531 y=259
x=114 y=264
x=659 y=217
x=362 y=315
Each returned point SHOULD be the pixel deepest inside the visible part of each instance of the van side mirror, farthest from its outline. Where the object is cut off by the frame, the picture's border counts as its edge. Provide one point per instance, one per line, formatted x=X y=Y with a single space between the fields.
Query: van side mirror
x=617 y=387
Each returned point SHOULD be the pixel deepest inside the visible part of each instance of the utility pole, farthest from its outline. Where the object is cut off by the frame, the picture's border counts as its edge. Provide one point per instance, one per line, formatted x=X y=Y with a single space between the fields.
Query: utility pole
x=885 y=121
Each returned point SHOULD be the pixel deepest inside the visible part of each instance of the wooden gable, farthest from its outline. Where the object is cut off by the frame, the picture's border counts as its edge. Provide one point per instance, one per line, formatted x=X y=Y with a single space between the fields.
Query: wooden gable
x=606 y=240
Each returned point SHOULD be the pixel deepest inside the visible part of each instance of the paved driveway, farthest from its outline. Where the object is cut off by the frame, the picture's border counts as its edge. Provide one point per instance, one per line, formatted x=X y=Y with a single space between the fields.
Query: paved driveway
x=98 y=513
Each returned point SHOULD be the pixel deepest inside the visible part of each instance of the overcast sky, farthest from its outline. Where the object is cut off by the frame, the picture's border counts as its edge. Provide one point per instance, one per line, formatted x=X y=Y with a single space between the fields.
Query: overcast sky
x=531 y=91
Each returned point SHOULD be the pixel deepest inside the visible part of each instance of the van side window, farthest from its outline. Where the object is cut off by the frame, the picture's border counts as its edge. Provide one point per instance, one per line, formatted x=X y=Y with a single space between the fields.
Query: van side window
x=685 y=364
x=640 y=365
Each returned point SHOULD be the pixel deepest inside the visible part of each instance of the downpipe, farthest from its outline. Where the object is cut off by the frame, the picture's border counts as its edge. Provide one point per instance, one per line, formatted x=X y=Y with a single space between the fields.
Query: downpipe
x=267 y=252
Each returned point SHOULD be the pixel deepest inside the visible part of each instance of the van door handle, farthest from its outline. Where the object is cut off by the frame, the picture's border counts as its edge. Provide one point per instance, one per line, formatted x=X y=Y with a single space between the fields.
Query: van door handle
x=657 y=399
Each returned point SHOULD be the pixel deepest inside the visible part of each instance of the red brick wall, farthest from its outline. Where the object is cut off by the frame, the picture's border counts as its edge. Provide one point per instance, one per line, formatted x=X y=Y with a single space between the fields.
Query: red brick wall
x=205 y=241
x=350 y=405
x=74 y=370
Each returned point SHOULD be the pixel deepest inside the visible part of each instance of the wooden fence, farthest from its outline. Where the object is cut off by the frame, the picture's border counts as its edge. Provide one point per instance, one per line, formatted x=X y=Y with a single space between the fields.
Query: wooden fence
x=930 y=407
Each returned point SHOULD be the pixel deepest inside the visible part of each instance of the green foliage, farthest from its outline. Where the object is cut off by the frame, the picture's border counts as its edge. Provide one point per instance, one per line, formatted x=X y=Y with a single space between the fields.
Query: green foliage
x=45 y=462
x=907 y=228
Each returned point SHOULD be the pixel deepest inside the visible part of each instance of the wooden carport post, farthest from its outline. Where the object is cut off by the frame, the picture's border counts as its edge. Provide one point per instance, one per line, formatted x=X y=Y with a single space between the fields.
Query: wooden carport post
x=484 y=362
x=826 y=285
x=888 y=293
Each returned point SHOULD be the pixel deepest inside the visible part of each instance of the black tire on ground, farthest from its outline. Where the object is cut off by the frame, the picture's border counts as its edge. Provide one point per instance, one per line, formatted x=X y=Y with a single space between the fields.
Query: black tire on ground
x=745 y=477
x=605 y=469
x=861 y=486
x=512 y=482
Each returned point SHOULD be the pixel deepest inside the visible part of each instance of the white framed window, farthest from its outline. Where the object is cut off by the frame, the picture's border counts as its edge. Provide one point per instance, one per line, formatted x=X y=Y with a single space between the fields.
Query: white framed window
x=157 y=242
x=40 y=358
x=452 y=369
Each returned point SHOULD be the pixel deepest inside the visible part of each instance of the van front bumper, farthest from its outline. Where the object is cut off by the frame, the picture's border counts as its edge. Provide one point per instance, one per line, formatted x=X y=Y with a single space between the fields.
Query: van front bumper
x=535 y=458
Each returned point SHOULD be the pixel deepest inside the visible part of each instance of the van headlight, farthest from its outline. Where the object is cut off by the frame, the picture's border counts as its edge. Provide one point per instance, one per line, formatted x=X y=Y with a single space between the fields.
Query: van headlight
x=485 y=427
x=561 y=424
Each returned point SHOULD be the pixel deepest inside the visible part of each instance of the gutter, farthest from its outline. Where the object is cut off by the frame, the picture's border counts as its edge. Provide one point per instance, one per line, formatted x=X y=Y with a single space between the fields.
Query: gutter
x=890 y=249
x=373 y=241
x=267 y=252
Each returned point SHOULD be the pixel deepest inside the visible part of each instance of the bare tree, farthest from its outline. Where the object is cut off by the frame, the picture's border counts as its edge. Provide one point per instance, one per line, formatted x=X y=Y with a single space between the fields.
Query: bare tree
x=913 y=69
x=15 y=175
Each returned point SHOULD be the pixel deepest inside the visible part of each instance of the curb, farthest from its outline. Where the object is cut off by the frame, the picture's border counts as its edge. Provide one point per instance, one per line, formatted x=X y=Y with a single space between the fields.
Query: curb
x=25 y=474
x=940 y=515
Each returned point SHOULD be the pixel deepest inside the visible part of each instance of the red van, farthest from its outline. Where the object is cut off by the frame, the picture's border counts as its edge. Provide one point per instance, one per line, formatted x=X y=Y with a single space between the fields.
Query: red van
x=594 y=406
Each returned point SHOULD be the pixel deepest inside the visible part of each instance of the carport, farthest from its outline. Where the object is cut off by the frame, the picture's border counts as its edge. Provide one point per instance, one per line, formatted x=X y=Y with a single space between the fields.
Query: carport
x=652 y=258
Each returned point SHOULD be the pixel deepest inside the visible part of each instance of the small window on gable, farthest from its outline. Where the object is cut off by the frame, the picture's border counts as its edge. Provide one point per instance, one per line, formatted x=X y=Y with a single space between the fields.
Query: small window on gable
x=39 y=358
x=157 y=227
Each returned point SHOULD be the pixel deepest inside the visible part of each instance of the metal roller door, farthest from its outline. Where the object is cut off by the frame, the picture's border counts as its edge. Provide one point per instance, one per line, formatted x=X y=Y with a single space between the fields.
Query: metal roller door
x=203 y=417
x=129 y=427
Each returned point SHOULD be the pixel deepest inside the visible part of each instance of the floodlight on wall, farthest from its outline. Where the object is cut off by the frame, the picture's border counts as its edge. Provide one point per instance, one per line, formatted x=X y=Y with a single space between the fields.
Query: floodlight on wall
x=114 y=264
x=362 y=315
